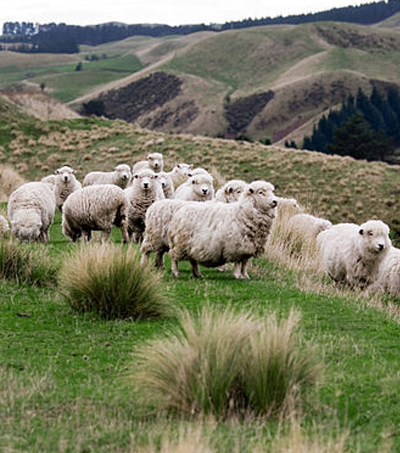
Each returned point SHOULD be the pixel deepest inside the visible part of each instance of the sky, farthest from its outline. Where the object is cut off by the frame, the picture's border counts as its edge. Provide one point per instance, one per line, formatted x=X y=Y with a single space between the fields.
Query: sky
x=171 y=12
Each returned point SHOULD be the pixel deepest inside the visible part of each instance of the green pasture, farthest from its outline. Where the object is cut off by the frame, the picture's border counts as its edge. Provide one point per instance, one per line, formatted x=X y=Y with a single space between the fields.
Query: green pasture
x=64 y=384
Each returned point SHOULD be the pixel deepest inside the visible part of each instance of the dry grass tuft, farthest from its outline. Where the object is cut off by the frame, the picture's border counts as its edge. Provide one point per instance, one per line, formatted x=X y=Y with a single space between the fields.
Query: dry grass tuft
x=9 y=181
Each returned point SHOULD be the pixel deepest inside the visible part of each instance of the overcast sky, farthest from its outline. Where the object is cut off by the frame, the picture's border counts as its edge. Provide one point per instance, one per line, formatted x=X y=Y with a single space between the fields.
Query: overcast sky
x=172 y=12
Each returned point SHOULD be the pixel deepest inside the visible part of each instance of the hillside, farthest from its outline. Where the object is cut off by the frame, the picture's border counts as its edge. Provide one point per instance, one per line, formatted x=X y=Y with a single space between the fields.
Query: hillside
x=340 y=189
x=305 y=69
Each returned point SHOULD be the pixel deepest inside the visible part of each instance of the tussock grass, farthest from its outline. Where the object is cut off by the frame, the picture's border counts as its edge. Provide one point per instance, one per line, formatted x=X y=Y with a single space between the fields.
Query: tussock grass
x=226 y=364
x=9 y=181
x=109 y=280
x=25 y=263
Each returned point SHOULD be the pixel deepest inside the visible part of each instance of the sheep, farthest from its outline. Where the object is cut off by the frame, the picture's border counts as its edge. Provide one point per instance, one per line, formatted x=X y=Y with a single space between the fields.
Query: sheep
x=166 y=183
x=121 y=177
x=287 y=208
x=352 y=254
x=307 y=226
x=231 y=191
x=96 y=207
x=65 y=184
x=31 y=211
x=154 y=162
x=389 y=274
x=158 y=218
x=145 y=190
x=49 y=179
x=180 y=174
x=214 y=233
x=196 y=188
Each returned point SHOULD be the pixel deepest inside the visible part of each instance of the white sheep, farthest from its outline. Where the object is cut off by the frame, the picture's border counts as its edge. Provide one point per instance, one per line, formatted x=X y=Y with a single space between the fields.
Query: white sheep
x=158 y=219
x=389 y=274
x=144 y=191
x=65 y=184
x=231 y=191
x=121 y=177
x=49 y=179
x=196 y=188
x=180 y=174
x=214 y=233
x=166 y=183
x=307 y=226
x=95 y=208
x=154 y=162
x=31 y=211
x=352 y=254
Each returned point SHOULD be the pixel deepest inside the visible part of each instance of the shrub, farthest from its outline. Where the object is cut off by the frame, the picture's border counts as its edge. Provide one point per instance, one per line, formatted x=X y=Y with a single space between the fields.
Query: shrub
x=225 y=364
x=108 y=279
x=26 y=263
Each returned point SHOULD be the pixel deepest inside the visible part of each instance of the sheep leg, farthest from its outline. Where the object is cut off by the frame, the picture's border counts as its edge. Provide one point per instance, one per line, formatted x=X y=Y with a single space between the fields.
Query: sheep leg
x=87 y=235
x=195 y=269
x=237 y=271
x=159 y=261
x=144 y=260
x=125 y=235
x=243 y=267
x=223 y=268
x=174 y=268
x=105 y=235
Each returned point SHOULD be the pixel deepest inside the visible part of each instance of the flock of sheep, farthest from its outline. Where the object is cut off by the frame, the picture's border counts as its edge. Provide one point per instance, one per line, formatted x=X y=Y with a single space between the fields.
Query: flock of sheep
x=178 y=212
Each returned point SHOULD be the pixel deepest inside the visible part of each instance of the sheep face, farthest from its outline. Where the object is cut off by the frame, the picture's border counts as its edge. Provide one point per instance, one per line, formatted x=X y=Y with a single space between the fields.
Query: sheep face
x=163 y=180
x=202 y=186
x=182 y=169
x=65 y=174
x=261 y=196
x=146 y=179
x=124 y=172
x=155 y=161
x=374 y=237
x=234 y=189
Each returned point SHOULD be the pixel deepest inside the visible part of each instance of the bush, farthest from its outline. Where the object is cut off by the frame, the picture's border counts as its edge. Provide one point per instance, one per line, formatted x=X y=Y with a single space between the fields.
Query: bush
x=25 y=263
x=108 y=279
x=224 y=364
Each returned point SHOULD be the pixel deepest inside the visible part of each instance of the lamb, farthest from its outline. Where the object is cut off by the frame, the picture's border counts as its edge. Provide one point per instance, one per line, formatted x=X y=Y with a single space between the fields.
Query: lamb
x=214 y=233
x=31 y=211
x=154 y=162
x=231 y=191
x=389 y=274
x=166 y=183
x=97 y=207
x=145 y=190
x=352 y=254
x=180 y=174
x=307 y=226
x=65 y=184
x=197 y=188
x=120 y=177
x=158 y=219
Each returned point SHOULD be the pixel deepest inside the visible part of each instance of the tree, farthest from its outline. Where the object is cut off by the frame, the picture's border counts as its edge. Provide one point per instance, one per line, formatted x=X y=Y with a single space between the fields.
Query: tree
x=357 y=139
x=42 y=86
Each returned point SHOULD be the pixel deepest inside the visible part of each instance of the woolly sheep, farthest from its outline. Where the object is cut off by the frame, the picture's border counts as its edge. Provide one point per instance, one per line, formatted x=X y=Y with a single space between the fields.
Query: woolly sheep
x=166 y=183
x=196 y=188
x=307 y=226
x=389 y=274
x=158 y=219
x=180 y=174
x=145 y=190
x=214 y=233
x=120 y=177
x=154 y=162
x=94 y=208
x=351 y=253
x=231 y=191
x=65 y=184
x=31 y=211
x=49 y=179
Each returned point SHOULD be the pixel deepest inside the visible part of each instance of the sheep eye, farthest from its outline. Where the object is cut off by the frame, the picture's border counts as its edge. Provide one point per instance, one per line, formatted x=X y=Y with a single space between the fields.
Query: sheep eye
x=370 y=233
x=260 y=192
x=193 y=182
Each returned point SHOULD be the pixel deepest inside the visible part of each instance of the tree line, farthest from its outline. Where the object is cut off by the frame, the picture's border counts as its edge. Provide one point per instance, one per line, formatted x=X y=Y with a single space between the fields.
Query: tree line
x=365 y=127
x=65 y=38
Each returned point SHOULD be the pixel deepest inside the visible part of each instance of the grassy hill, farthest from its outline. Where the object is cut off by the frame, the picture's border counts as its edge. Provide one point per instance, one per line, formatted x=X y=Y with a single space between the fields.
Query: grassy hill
x=65 y=376
x=341 y=189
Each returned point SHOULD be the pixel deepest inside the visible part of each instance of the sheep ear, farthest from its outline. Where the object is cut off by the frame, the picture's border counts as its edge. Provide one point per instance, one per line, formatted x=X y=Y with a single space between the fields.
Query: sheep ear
x=361 y=231
x=178 y=165
x=56 y=172
x=73 y=172
x=191 y=166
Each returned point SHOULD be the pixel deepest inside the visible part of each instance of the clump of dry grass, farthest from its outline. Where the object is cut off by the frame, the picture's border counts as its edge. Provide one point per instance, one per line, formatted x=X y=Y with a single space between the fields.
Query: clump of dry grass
x=109 y=280
x=9 y=181
x=225 y=364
